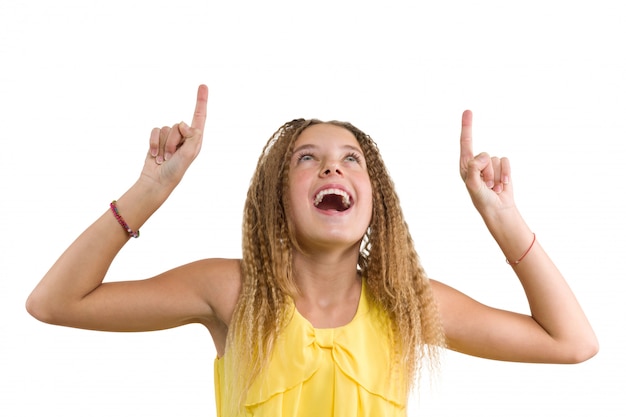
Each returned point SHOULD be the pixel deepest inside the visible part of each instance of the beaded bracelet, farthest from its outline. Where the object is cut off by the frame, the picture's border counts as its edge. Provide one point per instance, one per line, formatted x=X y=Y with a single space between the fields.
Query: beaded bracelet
x=121 y=221
x=525 y=253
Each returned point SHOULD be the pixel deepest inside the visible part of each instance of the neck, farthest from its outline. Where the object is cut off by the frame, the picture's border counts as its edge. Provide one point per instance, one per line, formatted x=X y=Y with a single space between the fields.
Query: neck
x=326 y=278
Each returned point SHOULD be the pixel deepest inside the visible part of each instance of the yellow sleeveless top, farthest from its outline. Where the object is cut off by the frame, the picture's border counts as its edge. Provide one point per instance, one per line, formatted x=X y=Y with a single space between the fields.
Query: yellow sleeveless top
x=345 y=371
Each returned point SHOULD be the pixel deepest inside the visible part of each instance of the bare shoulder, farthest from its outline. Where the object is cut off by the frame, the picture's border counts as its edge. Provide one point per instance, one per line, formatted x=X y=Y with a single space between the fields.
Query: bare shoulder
x=455 y=307
x=441 y=290
x=219 y=282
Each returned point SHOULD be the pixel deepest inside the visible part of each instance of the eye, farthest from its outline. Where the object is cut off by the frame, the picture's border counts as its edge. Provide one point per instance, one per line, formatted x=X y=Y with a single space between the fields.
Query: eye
x=305 y=156
x=353 y=157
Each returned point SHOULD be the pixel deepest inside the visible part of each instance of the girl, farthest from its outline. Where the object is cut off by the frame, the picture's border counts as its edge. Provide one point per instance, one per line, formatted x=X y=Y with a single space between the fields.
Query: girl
x=329 y=311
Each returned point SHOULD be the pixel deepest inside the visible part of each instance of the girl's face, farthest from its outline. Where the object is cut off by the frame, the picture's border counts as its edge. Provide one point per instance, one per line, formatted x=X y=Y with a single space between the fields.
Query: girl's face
x=330 y=192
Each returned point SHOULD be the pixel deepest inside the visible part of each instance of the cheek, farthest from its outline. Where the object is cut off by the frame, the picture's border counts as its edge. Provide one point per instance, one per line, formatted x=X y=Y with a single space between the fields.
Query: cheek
x=367 y=201
x=294 y=189
x=367 y=191
x=296 y=200
x=371 y=211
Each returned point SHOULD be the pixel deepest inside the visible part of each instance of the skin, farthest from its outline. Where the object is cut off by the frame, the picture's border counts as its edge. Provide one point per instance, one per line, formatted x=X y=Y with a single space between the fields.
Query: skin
x=72 y=293
x=328 y=156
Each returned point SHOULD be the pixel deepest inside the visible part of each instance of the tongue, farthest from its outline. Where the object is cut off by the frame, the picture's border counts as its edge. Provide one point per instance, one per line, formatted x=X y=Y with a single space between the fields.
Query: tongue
x=332 y=202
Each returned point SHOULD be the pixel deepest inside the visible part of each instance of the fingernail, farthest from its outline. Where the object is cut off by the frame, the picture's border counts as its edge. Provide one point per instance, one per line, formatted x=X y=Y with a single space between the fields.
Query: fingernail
x=154 y=152
x=505 y=179
x=159 y=159
x=167 y=156
x=489 y=184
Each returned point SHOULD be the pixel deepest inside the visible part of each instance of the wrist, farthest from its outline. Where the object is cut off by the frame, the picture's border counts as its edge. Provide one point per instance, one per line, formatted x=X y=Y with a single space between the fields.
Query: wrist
x=510 y=231
x=153 y=192
x=502 y=218
x=138 y=203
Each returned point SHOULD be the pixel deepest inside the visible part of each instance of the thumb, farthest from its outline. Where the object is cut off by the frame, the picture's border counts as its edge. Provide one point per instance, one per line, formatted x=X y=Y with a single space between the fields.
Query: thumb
x=186 y=131
x=479 y=172
x=191 y=140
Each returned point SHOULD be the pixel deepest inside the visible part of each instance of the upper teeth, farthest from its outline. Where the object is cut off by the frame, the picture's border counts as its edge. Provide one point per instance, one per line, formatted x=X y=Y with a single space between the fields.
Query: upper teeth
x=344 y=196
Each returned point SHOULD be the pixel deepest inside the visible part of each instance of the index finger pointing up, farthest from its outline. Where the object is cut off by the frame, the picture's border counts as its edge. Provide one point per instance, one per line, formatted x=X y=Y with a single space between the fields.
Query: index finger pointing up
x=467 y=152
x=199 y=114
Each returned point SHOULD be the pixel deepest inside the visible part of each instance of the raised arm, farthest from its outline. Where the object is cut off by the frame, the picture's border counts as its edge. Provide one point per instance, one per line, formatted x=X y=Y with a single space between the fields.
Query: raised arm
x=72 y=292
x=557 y=330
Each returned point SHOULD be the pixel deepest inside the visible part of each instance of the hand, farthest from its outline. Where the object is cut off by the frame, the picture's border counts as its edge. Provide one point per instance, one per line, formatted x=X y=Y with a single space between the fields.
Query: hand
x=173 y=149
x=488 y=179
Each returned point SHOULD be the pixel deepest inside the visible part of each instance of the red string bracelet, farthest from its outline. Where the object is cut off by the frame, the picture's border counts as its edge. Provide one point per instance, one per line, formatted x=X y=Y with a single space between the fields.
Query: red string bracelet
x=525 y=253
x=121 y=221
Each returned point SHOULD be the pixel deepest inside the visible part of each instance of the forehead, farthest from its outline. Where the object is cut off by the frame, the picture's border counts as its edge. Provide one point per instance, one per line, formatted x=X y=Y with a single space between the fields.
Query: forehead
x=326 y=134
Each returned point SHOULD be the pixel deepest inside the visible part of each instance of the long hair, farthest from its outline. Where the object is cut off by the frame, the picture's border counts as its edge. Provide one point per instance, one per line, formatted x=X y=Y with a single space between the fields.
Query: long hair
x=395 y=279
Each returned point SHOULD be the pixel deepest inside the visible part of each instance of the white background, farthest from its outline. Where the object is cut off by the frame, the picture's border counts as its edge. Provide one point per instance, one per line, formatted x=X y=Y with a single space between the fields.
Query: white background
x=83 y=82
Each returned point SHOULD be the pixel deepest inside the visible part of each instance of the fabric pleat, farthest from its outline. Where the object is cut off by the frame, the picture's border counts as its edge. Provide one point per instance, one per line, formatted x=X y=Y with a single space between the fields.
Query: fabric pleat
x=345 y=371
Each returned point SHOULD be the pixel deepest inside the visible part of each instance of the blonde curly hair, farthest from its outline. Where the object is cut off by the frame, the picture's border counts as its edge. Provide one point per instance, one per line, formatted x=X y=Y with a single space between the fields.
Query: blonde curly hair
x=395 y=279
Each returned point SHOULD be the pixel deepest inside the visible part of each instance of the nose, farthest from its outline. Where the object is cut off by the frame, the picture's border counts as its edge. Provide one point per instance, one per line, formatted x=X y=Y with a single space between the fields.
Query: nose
x=330 y=169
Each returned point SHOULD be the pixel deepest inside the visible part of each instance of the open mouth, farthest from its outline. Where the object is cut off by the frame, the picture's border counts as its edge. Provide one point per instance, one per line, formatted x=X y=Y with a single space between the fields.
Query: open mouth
x=333 y=199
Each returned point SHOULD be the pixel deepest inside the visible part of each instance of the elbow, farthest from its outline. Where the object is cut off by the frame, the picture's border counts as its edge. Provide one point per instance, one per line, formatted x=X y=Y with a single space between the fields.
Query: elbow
x=591 y=350
x=583 y=350
x=38 y=307
x=34 y=308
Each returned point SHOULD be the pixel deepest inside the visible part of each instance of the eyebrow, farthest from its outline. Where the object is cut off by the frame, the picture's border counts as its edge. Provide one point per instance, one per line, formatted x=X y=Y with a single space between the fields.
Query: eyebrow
x=307 y=146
